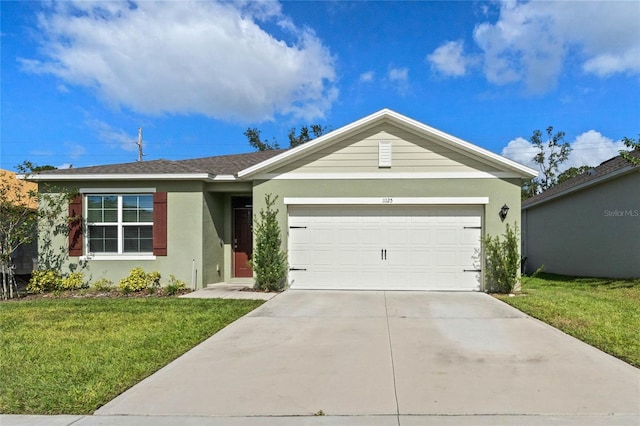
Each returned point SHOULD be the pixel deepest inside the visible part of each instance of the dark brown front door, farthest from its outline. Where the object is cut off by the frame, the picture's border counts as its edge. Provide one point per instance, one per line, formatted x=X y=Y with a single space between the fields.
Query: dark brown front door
x=242 y=242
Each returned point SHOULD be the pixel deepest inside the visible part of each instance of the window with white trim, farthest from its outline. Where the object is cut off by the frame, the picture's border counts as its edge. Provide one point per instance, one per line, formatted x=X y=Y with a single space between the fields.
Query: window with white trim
x=119 y=224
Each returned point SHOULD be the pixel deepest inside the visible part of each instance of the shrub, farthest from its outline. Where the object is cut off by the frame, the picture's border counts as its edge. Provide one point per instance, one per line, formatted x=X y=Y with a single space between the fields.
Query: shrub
x=153 y=279
x=103 y=284
x=174 y=286
x=502 y=261
x=73 y=281
x=269 y=260
x=138 y=280
x=42 y=281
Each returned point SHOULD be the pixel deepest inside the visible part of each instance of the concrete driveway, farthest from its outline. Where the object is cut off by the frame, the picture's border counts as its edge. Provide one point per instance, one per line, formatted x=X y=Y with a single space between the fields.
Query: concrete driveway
x=388 y=354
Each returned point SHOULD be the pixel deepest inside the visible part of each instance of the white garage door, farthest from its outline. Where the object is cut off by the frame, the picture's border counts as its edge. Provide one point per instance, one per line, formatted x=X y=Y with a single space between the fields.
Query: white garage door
x=385 y=247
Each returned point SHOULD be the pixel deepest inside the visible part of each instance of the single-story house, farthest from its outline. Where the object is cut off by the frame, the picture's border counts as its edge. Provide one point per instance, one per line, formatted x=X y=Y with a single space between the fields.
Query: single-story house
x=385 y=202
x=588 y=225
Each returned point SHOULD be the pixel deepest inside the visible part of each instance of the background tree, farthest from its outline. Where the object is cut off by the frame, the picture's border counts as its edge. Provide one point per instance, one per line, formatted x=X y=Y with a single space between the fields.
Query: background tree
x=572 y=172
x=306 y=134
x=253 y=135
x=633 y=154
x=551 y=154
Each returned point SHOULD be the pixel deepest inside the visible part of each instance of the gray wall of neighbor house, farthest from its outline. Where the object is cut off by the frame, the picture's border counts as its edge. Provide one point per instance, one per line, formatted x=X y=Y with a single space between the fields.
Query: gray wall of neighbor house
x=499 y=192
x=594 y=232
x=187 y=210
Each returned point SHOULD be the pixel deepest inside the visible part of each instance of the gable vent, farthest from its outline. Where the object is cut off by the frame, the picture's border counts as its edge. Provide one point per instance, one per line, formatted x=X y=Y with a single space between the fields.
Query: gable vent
x=384 y=154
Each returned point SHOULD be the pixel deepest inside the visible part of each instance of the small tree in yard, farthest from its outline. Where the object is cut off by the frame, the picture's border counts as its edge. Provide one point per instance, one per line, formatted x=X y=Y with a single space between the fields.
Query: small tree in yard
x=23 y=213
x=502 y=261
x=269 y=261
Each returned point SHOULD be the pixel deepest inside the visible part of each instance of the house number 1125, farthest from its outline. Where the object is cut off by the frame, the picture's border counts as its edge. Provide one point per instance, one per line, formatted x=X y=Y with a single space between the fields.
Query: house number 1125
x=387 y=200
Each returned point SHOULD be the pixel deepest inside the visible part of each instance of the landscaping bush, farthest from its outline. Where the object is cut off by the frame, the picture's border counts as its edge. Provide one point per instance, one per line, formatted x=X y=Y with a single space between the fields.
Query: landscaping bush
x=138 y=280
x=174 y=286
x=269 y=260
x=103 y=285
x=43 y=281
x=73 y=281
x=502 y=261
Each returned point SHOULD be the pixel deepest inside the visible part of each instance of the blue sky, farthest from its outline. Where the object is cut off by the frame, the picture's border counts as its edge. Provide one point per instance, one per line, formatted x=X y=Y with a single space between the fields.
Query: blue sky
x=79 y=78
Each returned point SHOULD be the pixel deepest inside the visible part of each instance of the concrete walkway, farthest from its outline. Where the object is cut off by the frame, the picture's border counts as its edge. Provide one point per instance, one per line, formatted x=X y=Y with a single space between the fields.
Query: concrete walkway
x=380 y=358
x=233 y=290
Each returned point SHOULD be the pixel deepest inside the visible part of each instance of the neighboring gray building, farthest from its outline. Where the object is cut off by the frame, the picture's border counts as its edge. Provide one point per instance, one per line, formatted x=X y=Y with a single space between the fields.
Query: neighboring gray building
x=588 y=225
x=385 y=202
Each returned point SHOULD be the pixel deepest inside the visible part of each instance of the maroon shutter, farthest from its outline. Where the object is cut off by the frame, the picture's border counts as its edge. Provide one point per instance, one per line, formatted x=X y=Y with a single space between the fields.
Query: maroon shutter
x=160 y=223
x=75 y=226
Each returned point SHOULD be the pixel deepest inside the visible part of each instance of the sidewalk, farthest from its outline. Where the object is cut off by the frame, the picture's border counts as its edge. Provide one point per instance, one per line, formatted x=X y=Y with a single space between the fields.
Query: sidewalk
x=388 y=420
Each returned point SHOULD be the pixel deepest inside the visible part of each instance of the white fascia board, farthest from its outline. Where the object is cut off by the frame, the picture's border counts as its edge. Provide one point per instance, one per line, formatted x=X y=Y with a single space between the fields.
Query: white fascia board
x=406 y=122
x=158 y=176
x=385 y=200
x=225 y=178
x=389 y=175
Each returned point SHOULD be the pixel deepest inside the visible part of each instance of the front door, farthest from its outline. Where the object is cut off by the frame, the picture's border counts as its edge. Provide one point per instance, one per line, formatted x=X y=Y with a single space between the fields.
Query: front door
x=242 y=241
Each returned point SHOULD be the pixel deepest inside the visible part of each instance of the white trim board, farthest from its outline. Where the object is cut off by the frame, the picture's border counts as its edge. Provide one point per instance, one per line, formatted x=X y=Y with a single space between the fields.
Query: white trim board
x=116 y=191
x=385 y=200
x=106 y=176
x=92 y=257
x=386 y=175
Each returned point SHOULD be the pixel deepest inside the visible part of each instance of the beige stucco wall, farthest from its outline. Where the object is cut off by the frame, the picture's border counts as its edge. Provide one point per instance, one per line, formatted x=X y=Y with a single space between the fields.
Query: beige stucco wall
x=499 y=192
x=594 y=232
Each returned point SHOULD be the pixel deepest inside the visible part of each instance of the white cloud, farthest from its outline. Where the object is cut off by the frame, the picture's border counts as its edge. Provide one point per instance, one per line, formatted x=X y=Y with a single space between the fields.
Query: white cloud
x=521 y=151
x=186 y=57
x=588 y=149
x=74 y=150
x=367 y=77
x=398 y=74
x=592 y=148
x=399 y=77
x=449 y=59
x=531 y=42
x=115 y=138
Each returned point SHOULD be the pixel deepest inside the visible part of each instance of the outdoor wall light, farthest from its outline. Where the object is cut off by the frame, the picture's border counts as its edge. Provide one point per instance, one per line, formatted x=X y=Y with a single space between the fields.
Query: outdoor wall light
x=503 y=212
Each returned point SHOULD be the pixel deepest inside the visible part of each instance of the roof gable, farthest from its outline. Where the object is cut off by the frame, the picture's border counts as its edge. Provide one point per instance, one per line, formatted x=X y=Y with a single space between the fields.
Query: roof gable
x=405 y=151
x=474 y=154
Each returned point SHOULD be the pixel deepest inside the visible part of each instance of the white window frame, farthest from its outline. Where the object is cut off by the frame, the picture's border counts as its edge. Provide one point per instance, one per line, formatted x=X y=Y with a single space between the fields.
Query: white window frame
x=120 y=225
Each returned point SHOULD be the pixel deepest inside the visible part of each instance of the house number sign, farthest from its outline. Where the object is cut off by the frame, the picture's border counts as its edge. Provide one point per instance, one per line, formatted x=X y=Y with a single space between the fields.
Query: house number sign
x=387 y=200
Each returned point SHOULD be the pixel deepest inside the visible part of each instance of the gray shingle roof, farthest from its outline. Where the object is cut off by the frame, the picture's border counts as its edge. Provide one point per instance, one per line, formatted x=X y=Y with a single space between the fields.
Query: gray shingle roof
x=597 y=173
x=220 y=165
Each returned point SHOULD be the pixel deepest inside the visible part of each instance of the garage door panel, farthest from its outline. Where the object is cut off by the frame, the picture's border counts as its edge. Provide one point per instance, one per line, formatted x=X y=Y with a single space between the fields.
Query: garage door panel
x=385 y=247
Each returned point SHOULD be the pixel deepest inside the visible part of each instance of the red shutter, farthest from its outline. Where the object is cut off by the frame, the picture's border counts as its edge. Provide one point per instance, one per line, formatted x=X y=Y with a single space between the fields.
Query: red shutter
x=75 y=226
x=160 y=223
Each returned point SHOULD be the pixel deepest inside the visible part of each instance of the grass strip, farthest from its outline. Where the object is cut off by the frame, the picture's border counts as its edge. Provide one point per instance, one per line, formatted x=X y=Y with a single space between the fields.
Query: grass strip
x=604 y=313
x=67 y=356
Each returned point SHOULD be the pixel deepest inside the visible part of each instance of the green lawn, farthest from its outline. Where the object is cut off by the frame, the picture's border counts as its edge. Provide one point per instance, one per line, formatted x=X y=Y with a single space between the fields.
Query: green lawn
x=72 y=356
x=603 y=313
